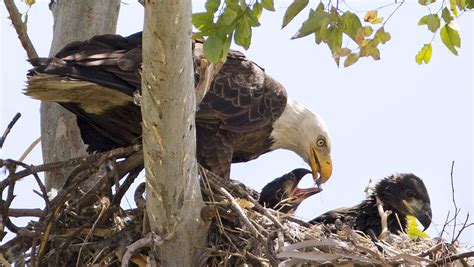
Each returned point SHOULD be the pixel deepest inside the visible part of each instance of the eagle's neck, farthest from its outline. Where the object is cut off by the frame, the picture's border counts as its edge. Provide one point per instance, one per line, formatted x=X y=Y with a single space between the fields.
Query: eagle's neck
x=296 y=129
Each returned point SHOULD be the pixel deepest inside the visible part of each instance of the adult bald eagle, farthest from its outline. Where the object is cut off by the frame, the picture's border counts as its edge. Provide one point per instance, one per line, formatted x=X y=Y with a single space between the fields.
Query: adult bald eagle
x=283 y=194
x=245 y=114
x=403 y=194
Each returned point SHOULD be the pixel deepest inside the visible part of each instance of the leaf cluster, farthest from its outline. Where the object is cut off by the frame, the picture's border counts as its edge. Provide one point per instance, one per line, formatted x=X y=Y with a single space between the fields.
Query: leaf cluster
x=226 y=21
x=347 y=35
x=444 y=22
x=330 y=26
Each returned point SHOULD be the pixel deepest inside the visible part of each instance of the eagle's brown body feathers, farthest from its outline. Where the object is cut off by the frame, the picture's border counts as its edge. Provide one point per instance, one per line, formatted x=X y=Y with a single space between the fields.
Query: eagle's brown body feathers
x=97 y=80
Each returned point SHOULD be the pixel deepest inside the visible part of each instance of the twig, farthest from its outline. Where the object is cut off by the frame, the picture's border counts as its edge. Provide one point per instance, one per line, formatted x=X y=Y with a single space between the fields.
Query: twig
x=124 y=187
x=93 y=159
x=383 y=219
x=431 y=250
x=464 y=226
x=265 y=211
x=452 y=258
x=453 y=198
x=20 y=28
x=446 y=223
x=105 y=203
x=44 y=194
x=29 y=149
x=9 y=127
x=138 y=196
x=25 y=212
x=393 y=12
x=236 y=207
x=149 y=240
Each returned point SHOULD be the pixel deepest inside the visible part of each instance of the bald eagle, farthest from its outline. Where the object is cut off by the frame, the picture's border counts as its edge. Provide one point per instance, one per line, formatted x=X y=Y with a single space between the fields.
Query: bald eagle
x=245 y=114
x=283 y=194
x=404 y=194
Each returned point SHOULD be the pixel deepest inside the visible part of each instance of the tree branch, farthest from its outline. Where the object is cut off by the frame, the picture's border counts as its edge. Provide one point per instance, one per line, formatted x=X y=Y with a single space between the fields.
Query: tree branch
x=20 y=29
x=9 y=127
x=452 y=258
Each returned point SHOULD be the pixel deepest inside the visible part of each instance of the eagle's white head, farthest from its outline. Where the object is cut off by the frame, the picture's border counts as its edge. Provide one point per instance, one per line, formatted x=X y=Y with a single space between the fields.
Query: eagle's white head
x=304 y=132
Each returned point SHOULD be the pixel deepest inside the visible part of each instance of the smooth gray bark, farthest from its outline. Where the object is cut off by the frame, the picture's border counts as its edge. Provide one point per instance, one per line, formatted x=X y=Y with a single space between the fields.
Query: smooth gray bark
x=74 y=20
x=168 y=107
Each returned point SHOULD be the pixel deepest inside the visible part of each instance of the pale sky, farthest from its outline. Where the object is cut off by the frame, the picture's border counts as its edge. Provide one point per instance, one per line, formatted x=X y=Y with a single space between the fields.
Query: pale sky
x=383 y=116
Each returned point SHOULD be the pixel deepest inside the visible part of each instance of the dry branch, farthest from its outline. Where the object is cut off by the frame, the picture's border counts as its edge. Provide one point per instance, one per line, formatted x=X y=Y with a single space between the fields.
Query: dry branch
x=9 y=127
x=20 y=29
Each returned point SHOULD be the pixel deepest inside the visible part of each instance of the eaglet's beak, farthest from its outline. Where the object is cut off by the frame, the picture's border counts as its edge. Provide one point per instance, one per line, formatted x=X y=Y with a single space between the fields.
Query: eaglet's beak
x=421 y=210
x=321 y=164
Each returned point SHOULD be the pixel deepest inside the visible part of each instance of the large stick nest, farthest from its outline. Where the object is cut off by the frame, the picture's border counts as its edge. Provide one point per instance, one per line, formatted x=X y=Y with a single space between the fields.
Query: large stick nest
x=80 y=227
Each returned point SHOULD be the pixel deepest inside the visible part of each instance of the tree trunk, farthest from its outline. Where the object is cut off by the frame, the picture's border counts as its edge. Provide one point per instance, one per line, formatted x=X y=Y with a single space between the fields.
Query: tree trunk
x=168 y=109
x=74 y=20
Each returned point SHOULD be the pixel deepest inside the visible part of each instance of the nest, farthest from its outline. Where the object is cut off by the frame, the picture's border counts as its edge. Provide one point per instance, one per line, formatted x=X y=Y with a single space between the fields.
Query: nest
x=79 y=227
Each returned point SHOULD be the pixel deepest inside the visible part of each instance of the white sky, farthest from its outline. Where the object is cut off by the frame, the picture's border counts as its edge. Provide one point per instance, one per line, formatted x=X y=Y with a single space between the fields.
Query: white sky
x=384 y=117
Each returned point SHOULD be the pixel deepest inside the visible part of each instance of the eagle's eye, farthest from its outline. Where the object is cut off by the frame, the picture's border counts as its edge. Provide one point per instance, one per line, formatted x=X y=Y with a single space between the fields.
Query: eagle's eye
x=321 y=142
x=409 y=193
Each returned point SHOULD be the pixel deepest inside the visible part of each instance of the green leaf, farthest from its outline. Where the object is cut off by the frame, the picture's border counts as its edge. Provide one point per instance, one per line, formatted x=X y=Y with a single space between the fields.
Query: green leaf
x=426 y=2
x=367 y=31
x=268 y=5
x=424 y=55
x=450 y=38
x=253 y=20
x=412 y=229
x=446 y=15
x=323 y=29
x=338 y=53
x=227 y=43
x=243 y=33
x=212 y=6
x=233 y=4
x=461 y=4
x=202 y=20
x=293 y=10
x=453 y=7
x=198 y=35
x=257 y=10
x=375 y=53
x=351 y=24
x=370 y=49
x=344 y=52
x=334 y=38
x=469 y=4
x=213 y=49
x=313 y=23
x=382 y=36
x=351 y=59
x=228 y=16
x=432 y=21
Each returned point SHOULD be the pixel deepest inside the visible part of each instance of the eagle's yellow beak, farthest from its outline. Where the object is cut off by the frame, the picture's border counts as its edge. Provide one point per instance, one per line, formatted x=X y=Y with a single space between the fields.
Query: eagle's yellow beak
x=321 y=164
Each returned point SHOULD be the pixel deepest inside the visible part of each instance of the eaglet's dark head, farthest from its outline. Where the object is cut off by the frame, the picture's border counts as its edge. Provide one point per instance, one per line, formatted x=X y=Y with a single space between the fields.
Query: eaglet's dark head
x=406 y=194
x=283 y=194
x=403 y=194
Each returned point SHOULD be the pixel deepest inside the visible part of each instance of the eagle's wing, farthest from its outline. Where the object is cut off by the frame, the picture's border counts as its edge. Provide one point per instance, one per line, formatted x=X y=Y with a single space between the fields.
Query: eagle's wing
x=95 y=80
x=345 y=215
x=242 y=97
